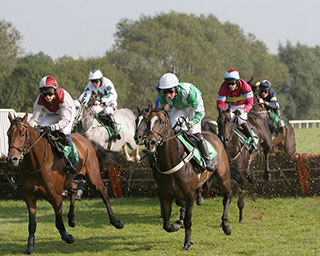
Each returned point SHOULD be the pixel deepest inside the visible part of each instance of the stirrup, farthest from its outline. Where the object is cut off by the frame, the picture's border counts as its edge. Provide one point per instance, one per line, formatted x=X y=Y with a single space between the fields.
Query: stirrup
x=70 y=168
x=209 y=166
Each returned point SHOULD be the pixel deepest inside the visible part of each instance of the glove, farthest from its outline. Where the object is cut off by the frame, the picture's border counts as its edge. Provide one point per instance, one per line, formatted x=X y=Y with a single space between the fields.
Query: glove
x=261 y=101
x=97 y=103
x=237 y=112
x=46 y=129
x=189 y=126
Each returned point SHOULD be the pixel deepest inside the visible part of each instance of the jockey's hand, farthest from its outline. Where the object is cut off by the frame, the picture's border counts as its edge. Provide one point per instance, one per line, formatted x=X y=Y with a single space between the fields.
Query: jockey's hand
x=97 y=103
x=261 y=101
x=46 y=129
x=189 y=126
x=237 y=112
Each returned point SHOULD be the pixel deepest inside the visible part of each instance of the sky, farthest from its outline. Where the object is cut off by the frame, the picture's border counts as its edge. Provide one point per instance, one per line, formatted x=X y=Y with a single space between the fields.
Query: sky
x=82 y=28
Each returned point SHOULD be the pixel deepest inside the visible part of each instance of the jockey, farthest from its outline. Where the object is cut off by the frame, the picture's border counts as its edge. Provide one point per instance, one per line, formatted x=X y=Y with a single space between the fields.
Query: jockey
x=237 y=93
x=269 y=99
x=186 y=100
x=59 y=112
x=105 y=95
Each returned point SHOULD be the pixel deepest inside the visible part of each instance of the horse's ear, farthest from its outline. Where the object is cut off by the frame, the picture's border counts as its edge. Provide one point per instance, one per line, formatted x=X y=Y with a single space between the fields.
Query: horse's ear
x=25 y=118
x=250 y=81
x=138 y=110
x=10 y=117
x=153 y=106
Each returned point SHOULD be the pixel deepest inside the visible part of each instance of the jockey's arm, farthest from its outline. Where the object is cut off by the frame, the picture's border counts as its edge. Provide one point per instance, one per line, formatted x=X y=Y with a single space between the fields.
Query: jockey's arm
x=65 y=115
x=37 y=111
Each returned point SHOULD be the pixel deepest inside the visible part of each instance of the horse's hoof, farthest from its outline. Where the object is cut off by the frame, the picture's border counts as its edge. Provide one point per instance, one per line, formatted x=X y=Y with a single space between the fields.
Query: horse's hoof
x=180 y=223
x=72 y=223
x=117 y=224
x=227 y=229
x=70 y=239
x=174 y=227
x=200 y=200
x=187 y=246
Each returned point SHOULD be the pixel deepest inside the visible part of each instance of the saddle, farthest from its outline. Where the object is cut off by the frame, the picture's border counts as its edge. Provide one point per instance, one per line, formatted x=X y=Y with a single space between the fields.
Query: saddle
x=244 y=139
x=190 y=143
x=58 y=142
x=108 y=124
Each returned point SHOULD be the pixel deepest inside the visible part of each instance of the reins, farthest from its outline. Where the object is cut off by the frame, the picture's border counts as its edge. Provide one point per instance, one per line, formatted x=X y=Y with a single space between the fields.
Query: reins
x=26 y=150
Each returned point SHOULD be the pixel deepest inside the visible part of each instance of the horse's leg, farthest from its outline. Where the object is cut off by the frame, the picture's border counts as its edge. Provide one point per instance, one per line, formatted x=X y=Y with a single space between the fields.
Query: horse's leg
x=199 y=196
x=125 y=151
x=57 y=206
x=32 y=209
x=136 y=154
x=267 y=174
x=225 y=224
x=166 y=207
x=240 y=204
x=187 y=220
x=95 y=179
x=71 y=220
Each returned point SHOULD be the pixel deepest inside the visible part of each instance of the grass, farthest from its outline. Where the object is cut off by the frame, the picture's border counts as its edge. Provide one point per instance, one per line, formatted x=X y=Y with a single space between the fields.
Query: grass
x=277 y=226
x=307 y=140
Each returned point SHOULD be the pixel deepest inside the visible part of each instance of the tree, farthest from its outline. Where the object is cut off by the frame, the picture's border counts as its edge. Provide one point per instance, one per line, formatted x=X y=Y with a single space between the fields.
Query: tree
x=198 y=49
x=9 y=48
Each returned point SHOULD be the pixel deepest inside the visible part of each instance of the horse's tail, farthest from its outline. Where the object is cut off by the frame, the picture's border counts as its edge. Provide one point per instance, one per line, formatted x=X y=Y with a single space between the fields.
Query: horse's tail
x=106 y=156
x=290 y=141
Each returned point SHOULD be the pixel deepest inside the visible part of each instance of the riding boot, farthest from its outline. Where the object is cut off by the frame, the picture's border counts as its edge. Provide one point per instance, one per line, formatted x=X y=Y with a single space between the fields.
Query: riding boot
x=116 y=133
x=70 y=160
x=248 y=131
x=205 y=152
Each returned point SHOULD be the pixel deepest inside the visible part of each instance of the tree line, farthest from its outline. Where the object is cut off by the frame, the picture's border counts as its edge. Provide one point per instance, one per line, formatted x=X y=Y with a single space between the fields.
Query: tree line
x=199 y=49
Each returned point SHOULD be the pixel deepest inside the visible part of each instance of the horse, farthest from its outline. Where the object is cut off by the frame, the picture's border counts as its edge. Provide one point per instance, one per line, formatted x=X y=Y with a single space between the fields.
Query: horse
x=42 y=174
x=282 y=142
x=240 y=158
x=94 y=131
x=177 y=176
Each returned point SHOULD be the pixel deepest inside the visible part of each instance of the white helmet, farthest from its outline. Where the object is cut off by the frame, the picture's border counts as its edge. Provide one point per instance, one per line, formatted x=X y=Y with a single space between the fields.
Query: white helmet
x=48 y=82
x=168 y=81
x=95 y=74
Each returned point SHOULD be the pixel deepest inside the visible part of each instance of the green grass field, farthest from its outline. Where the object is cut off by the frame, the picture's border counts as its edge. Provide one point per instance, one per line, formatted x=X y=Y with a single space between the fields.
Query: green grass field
x=307 y=140
x=278 y=226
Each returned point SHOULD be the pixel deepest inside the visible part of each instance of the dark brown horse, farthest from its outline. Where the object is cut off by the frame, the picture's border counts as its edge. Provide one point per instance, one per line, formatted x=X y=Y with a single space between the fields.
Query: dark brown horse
x=42 y=174
x=239 y=157
x=282 y=141
x=177 y=176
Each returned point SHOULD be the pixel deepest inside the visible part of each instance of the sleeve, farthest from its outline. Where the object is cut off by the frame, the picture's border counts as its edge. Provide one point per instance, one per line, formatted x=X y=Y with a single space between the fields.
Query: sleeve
x=194 y=98
x=86 y=95
x=248 y=95
x=66 y=109
x=110 y=94
x=37 y=111
x=273 y=103
x=222 y=98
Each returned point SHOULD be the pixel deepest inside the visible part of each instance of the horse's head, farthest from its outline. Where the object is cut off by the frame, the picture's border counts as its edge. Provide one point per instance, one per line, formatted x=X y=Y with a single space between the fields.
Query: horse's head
x=225 y=125
x=141 y=125
x=158 y=128
x=18 y=137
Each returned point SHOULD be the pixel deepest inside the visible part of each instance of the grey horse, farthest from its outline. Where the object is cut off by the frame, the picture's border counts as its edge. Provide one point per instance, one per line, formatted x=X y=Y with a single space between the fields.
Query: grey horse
x=94 y=131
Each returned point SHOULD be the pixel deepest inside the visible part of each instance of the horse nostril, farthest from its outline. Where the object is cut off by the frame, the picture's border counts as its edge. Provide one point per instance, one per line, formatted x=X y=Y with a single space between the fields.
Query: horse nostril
x=153 y=142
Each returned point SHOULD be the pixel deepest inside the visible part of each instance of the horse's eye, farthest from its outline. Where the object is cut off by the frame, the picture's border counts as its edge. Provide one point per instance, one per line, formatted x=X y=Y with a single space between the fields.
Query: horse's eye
x=22 y=134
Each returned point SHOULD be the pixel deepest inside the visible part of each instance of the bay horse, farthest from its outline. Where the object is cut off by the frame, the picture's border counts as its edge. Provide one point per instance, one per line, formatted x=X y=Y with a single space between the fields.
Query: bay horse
x=177 y=177
x=240 y=158
x=42 y=175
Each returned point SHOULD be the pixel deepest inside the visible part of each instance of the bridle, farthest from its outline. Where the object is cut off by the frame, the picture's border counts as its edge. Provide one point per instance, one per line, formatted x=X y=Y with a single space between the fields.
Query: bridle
x=25 y=149
x=227 y=140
